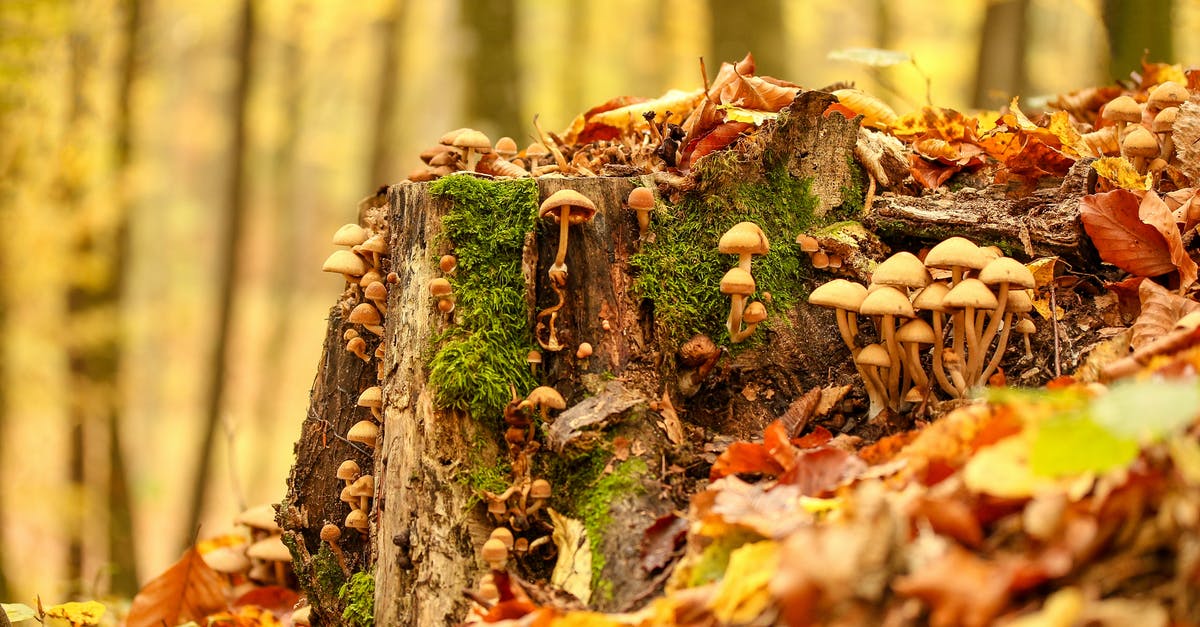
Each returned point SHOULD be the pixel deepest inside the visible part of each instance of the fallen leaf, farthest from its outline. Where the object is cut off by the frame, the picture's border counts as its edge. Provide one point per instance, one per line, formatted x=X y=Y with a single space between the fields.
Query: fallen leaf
x=1154 y=211
x=816 y=471
x=187 y=591
x=573 y=569
x=742 y=593
x=1160 y=310
x=876 y=113
x=17 y=612
x=1147 y=411
x=1120 y=172
x=1070 y=445
x=661 y=541
x=721 y=136
x=960 y=588
x=800 y=411
x=79 y=613
x=1112 y=221
x=276 y=599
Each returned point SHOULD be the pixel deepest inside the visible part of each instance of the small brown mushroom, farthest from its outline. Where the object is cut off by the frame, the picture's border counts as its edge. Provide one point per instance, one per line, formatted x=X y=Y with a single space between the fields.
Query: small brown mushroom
x=357 y=519
x=364 y=489
x=448 y=264
x=331 y=533
x=473 y=143
x=534 y=358
x=364 y=432
x=372 y=397
x=345 y=263
x=358 y=346
x=1122 y=110
x=744 y=239
x=738 y=285
x=495 y=553
x=1139 y=147
x=348 y=471
x=367 y=315
x=641 y=200
x=566 y=207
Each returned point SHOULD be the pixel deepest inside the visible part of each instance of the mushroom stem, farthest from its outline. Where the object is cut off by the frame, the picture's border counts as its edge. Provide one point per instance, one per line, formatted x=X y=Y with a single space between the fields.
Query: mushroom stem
x=744 y=261
x=914 y=367
x=893 y=349
x=1000 y=346
x=956 y=275
x=975 y=365
x=939 y=369
x=972 y=339
x=1028 y=348
x=843 y=322
x=280 y=573
x=564 y=221
x=737 y=304
x=741 y=335
x=876 y=391
x=954 y=367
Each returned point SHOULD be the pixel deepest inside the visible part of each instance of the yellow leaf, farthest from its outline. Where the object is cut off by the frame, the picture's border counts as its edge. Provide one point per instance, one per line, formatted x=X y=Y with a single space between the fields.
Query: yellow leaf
x=573 y=570
x=1062 y=608
x=749 y=116
x=742 y=595
x=1121 y=173
x=1003 y=470
x=86 y=613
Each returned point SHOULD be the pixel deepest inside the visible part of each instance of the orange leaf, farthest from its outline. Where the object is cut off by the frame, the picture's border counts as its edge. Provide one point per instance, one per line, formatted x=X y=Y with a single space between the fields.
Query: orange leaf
x=1154 y=211
x=720 y=137
x=1121 y=237
x=745 y=457
x=819 y=470
x=188 y=591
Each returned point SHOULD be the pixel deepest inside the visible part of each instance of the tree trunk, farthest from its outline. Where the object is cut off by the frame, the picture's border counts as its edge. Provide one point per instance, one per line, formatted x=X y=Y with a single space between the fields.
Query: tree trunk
x=750 y=26
x=1001 y=63
x=229 y=260
x=1134 y=28
x=490 y=68
x=383 y=140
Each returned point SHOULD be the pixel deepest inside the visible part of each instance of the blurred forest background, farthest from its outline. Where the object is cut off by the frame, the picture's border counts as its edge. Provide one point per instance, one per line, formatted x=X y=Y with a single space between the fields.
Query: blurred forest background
x=171 y=172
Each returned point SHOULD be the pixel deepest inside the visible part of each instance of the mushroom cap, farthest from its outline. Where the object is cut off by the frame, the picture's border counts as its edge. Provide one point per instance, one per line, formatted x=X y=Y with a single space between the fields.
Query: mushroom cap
x=1123 y=109
x=371 y=397
x=840 y=294
x=227 y=559
x=504 y=535
x=370 y=276
x=363 y=486
x=448 y=137
x=271 y=549
x=1007 y=270
x=348 y=470
x=1025 y=326
x=259 y=517
x=439 y=287
x=1164 y=122
x=1140 y=143
x=744 y=238
x=377 y=243
x=584 y=351
x=349 y=235
x=364 y=431
x=447 y=263
x=471 y=138
x=1167 y=94
x=930 y=297
x=697 y=350
x=343 y=261
x=755 y=312
x=902 y=269
x=364 y=313
x=494 y=552
x=346 y=497
x=887 y=301
x=357 y=519
x=955 y=251
x=873 y=355
x=331 y=533
x=539 y=489
x=917 y=331
x=536 y=150
x=506 y=147
x=737 y=281
x=546 y=396
x=970 y=293
x=433 y=151
x=641 y=198
x=534 y=357
x=582 y=209
x=375 y=290
x=808 y=243
x=1018 y=301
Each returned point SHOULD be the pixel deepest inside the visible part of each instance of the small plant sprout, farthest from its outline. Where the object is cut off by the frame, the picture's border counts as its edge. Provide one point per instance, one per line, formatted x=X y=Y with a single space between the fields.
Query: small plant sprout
x=330 y=534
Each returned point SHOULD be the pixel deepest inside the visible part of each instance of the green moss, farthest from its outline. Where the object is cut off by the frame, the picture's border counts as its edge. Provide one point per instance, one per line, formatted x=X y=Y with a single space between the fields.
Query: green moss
x=592 y=506
x=486 y=475
x=327 y=569
x=853 y=195
x=358 y=594
x=681 y=272
x=476 y=360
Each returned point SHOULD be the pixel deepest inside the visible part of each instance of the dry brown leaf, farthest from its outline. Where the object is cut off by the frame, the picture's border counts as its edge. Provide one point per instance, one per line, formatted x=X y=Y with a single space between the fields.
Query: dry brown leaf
x=961 y=589
x=1185 y=206
x=188 y=591
x=1161 y=309
x=1186 y=136
x=1122 y=238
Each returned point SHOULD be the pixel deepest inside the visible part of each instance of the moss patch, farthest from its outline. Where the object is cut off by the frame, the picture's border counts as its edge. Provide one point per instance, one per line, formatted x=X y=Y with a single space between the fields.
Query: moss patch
x=681 y=272
x=476 y=360
x=359 y=596
x=593 y=493
x=328 y=571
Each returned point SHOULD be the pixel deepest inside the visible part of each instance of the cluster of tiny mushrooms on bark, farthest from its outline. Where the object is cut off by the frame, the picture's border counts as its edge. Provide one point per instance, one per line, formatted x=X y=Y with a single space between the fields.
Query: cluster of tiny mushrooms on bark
x=1142 y=132
x=979 y=296
x=265 y=561
x=361 y=263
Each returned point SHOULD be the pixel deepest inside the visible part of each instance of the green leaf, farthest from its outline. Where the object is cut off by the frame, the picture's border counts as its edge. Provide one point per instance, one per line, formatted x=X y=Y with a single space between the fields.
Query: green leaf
x=1147 y=411
x=18 y=612
x=1072 y=444
x=748 y=116
x=874 y=57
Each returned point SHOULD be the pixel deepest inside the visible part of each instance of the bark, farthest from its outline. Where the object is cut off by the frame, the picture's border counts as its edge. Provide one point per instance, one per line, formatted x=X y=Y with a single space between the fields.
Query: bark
x=228 y=260
x=1001 y=63
x=1045 y=222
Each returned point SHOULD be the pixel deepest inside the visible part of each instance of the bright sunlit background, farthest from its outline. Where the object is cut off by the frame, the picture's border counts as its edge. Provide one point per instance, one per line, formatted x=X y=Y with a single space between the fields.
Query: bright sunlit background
x=340 y=98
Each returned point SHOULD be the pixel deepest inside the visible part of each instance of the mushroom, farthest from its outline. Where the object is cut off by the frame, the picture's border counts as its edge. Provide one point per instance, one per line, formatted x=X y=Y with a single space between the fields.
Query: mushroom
x=968 y=296
x=539 y=492
x=1168 y=94
x=260 y=519
x=331 y=533
x=1139 y=147
x=641 y=200
x=869 y=360
x=506 y=147
x=1026 y=328
x=503 y=534
x=348 y=471
x=1003 y=272
x=367 y=315
x=584 y=351
x=543 y=398
x=357 y=519
x=958 y=255
x=441 y=290
x=567 y=207
x=364 y=489
x=473 y=143
x=911 y=335
x=745 y=240
x=364 y=432
x=495 y=553
x=901 y=270
x=228 y=560
x=345 y=263
x=808 y=243
x=1122 y=110
x=375 y=246
x=448 y=264
x=272 y=550
x=889 y=302
x=358 y=346
x=372 y=397
x=534 y=358
x=930 y=299
x=534 y=153
x=349 y=235
x=1164 y=123
x=845 y=297
x=820 y=260
x=755 y=313
x=376 y=292
x=738 y=284
x=1017 y=303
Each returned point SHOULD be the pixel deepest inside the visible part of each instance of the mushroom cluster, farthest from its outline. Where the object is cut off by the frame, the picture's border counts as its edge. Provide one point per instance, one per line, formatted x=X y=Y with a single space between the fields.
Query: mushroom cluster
x=469 y=150
x=744 y=239
x=821 y=259
x=1143 y=131
x=979 y=298
x=566 y=207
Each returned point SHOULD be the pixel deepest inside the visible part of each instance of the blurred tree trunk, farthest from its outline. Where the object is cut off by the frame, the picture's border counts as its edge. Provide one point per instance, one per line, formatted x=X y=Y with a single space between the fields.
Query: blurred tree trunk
x=229 y=260
x=749 y=26
x=1134 y=27
x=11 y=170
x=1001 y=70
x=490 y=73
x=383 y=142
